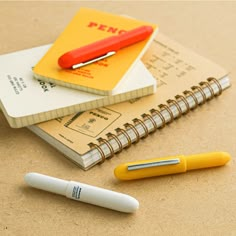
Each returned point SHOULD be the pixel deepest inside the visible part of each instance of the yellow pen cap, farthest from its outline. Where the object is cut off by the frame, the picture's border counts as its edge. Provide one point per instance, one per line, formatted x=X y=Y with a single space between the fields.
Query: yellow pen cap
x=206 y=160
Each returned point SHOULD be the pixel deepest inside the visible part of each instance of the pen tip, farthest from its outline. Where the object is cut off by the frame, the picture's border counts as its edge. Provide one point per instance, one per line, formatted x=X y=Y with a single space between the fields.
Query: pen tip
x=65 y=61
x=149 y=29
x=131 y=205
x=225 y=157
x=29 y=177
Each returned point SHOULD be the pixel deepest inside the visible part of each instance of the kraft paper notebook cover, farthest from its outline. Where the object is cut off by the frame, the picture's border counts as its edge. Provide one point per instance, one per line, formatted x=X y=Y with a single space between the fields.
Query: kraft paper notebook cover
x=26 y=101
x=185 y=81
x=102 y=77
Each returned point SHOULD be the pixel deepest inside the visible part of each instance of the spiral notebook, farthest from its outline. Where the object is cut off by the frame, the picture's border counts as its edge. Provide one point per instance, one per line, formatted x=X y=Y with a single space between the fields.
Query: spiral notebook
x=186 y=80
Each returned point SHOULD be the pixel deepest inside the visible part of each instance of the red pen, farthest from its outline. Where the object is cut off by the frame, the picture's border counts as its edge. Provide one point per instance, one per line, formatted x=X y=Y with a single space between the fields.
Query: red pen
x=103 y=48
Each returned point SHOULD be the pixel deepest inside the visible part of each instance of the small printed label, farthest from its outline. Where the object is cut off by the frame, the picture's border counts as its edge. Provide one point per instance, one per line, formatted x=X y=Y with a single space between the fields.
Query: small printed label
x=17 y=84
x=46 y=86
x=165 y=62
x=92 y=122
x=81 y=72
x=76 y=192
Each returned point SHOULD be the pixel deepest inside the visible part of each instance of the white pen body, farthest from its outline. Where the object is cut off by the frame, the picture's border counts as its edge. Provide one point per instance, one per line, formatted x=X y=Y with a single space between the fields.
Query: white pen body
x=83 y=192
x=101 y=197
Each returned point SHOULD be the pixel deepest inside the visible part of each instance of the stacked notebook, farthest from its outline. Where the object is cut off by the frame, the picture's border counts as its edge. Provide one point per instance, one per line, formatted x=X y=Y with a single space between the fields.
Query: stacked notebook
x=103 y=76
x=38 y=89
x=89 y=124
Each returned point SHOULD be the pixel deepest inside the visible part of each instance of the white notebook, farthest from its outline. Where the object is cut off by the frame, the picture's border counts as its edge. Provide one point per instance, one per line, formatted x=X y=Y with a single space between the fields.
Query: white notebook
x=26 y=101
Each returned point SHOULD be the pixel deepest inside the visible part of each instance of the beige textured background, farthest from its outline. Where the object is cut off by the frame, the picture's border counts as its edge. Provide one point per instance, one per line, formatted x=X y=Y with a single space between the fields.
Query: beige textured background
x=196 y=203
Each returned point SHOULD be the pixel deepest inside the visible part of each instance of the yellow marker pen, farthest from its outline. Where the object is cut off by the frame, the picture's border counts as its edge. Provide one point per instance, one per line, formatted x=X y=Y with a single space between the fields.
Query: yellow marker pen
x=170 y=165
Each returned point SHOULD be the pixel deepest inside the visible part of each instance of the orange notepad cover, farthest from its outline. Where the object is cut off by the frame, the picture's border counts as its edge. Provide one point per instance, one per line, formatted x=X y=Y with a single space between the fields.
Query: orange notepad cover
x=101 y=77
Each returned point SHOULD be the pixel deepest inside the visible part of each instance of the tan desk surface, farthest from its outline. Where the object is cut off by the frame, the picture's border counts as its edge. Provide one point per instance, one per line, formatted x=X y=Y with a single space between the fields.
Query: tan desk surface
x=196 y=203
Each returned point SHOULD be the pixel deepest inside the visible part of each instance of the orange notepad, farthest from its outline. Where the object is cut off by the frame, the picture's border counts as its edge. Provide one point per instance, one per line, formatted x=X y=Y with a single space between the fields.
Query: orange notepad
x=103 y=76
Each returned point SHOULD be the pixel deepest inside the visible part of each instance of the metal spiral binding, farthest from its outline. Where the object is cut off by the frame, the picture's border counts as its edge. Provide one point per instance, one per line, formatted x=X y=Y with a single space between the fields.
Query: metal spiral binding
x=165 y=107
x=158 y=113
x=155 y=112
x=95 y=146
x=218 y=85
x=190 y=93
x=184 y=100
x=128 y=125
x=119 y=130
x=101 y=141
x=199 y=89
x=138 y=121
x=150 y=118
x=204 y=84
x=173 y=102
x=112 y=136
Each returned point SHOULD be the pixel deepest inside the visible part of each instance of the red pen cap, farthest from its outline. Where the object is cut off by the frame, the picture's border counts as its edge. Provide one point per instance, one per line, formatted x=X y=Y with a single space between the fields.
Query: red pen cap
x=135 y=35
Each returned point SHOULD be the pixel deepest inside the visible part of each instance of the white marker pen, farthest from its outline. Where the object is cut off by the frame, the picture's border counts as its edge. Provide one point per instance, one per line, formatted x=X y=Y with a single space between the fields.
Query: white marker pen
x=83 y=192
